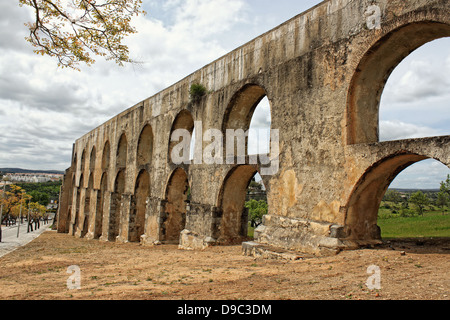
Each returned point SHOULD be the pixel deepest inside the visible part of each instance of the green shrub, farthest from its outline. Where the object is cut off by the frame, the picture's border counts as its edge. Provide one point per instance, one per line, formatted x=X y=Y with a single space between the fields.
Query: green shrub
x=197 y=91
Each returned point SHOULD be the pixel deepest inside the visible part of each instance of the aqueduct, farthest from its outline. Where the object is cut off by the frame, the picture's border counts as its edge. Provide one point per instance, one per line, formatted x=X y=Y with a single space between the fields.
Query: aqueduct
x=323 y=72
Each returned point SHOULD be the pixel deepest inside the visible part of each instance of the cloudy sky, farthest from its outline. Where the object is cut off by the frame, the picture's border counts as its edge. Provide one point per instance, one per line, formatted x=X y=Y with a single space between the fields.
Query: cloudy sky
x=44 y=109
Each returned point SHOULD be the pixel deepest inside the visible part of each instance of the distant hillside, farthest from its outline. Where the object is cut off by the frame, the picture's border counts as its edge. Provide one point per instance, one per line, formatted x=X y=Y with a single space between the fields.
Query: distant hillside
x=414 y=190
x=18 y=170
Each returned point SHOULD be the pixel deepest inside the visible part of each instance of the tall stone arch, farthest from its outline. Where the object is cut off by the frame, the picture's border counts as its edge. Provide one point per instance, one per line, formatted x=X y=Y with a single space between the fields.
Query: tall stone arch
x=232 y=225
x=115 y=208
x=140 y=200
x=106 y=156
x=145 y=147
x=374 y=69
x=173 y=219
x=122 y=152
x=185 y=122
x=239 y=112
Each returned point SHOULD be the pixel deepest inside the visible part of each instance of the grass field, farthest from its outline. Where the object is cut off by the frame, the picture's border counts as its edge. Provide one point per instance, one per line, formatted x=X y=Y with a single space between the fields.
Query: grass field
x=431 y=224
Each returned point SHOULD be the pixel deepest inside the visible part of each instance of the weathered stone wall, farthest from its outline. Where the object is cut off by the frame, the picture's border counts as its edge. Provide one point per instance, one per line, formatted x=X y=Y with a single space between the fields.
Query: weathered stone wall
x=323 y=73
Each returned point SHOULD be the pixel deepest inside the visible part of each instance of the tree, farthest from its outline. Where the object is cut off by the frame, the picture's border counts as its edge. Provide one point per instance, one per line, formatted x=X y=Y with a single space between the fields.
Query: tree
x=444 y=193
x=256 y=210
x=69 y=30
x=442 y=200
x=393 y=196
x=420 y=200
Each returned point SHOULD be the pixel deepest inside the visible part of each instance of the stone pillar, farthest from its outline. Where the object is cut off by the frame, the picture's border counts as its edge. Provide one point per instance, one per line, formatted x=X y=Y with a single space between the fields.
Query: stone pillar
x=63 y=212
x=200 y=227
x=152 y=225
x=106 y=212
x=74 y=211
x=92 y=215
x=81 y=214
x=125 y=206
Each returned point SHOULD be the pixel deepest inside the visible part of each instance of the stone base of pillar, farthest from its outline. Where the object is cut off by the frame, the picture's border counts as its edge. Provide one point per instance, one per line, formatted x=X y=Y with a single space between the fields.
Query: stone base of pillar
x=302 y=236
x=192 y=241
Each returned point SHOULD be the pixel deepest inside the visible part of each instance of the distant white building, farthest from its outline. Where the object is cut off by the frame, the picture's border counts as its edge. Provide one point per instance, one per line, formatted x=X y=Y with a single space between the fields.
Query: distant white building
x=33 y=177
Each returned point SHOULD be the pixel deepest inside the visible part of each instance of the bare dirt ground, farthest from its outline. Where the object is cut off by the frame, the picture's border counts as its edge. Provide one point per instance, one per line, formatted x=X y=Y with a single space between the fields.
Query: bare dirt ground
x=38 y=271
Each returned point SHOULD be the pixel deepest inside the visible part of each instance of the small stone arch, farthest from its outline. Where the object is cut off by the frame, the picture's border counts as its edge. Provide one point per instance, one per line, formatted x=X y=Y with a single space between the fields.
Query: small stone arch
x=78 y=203
x=177 y=197
x=183 y=121
x=122 y=152
x=239 y=112
x=83 y=160
x=116 y=200
x=106 y=156
x=145 y=147
x=92 y=159
x=87 y=205
x=139 y=207
x=232 y=225
x=100 y=203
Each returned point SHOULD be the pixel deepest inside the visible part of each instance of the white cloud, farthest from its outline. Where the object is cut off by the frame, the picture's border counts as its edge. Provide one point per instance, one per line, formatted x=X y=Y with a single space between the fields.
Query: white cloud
x=426 y=174
x=397 y=130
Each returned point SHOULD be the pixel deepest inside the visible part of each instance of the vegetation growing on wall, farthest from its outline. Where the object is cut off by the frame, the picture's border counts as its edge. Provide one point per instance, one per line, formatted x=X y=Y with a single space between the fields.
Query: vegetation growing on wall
x=196 y=92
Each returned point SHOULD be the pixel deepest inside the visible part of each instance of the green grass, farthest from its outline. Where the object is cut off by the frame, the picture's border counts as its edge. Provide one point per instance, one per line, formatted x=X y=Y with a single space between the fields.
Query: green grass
x=431 y=224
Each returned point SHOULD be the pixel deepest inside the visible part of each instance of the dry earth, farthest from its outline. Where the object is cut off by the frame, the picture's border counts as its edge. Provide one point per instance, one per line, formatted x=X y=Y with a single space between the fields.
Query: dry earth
x=38 y=271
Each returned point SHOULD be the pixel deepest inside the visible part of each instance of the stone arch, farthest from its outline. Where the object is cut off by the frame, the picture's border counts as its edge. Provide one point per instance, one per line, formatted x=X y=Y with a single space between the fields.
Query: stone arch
x=74 y=162
x=71 y=208
x=92 y=159
x=100 y=202
x=360 y=221
x=183 y=121
x=77 y=205
x=116 y=200
x=373 y=71
x=83 y=160
x=87 y=205
x=122 y=151
x=177 y=195
x=145 y=147
x=232 y=225
x=106 y=156
x=239 y=112
x=139 y=206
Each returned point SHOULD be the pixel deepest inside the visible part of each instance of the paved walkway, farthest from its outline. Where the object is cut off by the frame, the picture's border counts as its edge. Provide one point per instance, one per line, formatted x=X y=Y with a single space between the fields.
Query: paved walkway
x=11 y=242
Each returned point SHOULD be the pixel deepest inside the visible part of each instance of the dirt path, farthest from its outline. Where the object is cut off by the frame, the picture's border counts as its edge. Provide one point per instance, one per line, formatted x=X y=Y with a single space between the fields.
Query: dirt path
x=129 y=271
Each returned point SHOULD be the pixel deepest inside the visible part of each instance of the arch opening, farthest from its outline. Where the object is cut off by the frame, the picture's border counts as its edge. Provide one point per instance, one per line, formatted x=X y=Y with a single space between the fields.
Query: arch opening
x=180 y=143
x=145 y=146
x=414 y=103
x=116 y=200
x=87 y=205
x=121 y=157
x=241 y=123
x=83 y=160
x=106 y=156
x=136 y=226
x=77 y=205
x=235 y=203
x=177 y=199
x=100 y=202
x=92 y=159
x=363 y=208
x=373 y=71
